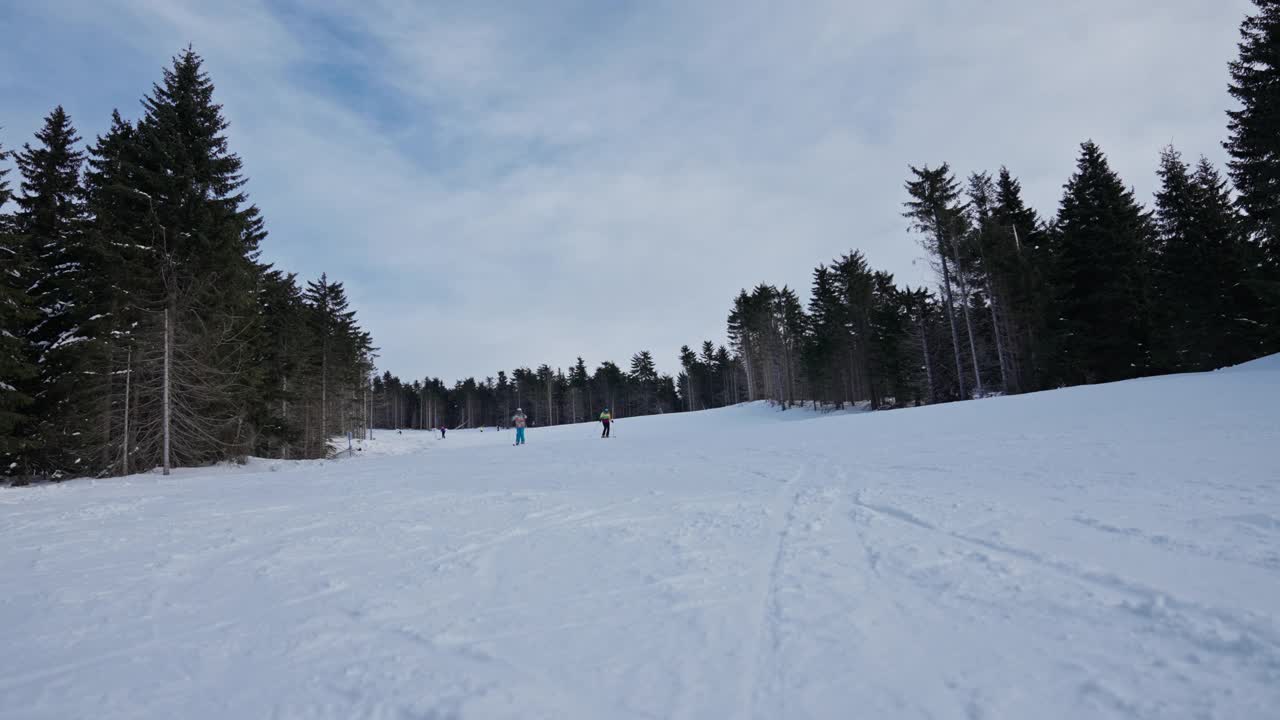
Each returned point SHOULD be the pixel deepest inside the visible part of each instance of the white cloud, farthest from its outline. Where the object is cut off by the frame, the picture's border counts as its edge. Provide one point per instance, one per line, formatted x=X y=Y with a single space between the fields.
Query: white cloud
x=511 y=186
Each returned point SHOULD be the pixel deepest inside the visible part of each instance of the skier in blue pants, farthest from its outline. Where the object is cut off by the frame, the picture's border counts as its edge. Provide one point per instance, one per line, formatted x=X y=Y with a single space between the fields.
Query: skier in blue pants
x=518 y=420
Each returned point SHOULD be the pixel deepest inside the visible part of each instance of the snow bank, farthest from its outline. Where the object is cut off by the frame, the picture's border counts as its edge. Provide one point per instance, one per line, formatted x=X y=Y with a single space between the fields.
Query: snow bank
x=1101 y=552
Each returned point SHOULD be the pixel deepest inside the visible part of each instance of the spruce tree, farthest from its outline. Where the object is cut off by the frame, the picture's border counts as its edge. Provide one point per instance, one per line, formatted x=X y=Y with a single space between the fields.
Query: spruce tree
x=991 y=245
x=51 y=221
x=1254 y=146
x=1248 y=320
x=1204 y=300
x=935 y=211
x=826 y=330
x=1023 y=271
x=712 y=386
x=688 y=379
x=888 y=360
x=855 y=288
x=331 y=321
x=206 y=241
x=1004 y=242
x=579 y=380
x=727 y=369
x=284 y=346
x=1179 y=274
x=644 y=375
x=17 y=371
x=121 y=286
x=1100 y=277
x=789 y=324
x=920 y=314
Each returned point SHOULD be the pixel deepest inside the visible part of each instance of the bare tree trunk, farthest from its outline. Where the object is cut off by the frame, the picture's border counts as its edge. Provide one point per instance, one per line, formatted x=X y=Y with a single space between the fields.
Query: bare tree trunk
x=128 y=386
x=284 y=412
x=168 y=353
x=928 y=361
x=324 y=395
x=996 y=331
x=940 y=236
x=968 y=321
x=791 y=374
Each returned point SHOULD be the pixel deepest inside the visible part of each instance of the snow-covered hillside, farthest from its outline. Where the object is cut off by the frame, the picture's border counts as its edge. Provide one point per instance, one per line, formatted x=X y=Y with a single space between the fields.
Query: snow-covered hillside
x=1100 y=552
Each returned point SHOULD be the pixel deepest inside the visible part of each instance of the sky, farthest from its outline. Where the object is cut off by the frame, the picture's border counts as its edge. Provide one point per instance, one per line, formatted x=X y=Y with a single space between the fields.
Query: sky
x=505 y=184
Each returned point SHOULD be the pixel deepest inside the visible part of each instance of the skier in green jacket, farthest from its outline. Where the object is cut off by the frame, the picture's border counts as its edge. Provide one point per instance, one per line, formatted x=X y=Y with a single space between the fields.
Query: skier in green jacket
x=605 y=420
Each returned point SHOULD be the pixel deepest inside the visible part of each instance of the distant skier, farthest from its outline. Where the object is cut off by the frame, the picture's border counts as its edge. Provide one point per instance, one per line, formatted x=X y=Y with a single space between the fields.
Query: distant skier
x=519 y=420
x=605 y=419
x=442 y=432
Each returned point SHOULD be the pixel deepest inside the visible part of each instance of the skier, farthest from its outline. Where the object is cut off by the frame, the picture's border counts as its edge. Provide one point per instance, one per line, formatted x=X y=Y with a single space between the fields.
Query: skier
x=518 y=420
x=605 y=420
x=442 y=432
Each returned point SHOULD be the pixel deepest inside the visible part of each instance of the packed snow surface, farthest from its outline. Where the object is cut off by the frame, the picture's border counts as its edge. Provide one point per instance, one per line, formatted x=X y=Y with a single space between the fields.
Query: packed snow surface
x=1100 y=552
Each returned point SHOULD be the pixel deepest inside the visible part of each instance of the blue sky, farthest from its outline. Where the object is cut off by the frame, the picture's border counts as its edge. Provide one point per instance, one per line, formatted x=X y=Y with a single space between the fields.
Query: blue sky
x=505 y=184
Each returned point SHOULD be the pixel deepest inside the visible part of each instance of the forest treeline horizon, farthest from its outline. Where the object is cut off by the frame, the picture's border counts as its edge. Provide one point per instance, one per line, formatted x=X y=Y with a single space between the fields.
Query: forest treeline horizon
x=141 y=329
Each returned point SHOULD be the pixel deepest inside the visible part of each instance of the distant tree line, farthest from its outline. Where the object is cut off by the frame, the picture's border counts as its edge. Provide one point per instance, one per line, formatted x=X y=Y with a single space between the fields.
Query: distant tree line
x=548 y=396
x=1105 y=290
x=138 y=327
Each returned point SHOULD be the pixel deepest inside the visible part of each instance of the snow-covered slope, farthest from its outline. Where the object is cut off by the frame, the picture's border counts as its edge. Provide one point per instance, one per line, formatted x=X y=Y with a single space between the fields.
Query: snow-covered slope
x=1101 y=552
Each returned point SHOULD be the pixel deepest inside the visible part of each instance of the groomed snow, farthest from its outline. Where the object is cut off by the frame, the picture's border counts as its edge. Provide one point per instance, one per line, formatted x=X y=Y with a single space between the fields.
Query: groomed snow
x=1100 y=552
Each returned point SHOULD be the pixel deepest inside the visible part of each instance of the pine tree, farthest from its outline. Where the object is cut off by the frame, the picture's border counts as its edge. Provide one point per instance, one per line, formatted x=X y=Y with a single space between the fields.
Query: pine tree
x=332 y=322
x=51 y=221
x=689 y=361
x=888 y=328
x=919 y=310
x=16 y=368
x=1254 y=146
x=988 y=245
x=826 y=328
x=1102 y=242
x=713 y=388
x=504 y=391
x=767 y=329
x=1178 y=271
x=1019 y=261
x=791 y=327
x=935 y=211
x=744 y=336
x=199 y=350
x=855 y=288
x=1204 y=301
x=285 y=347
x=1003 y=252
x=644 y=374
x=610 y=383
x=727 y=367
x=546 y=393
x=120 y=287
x=579 y=382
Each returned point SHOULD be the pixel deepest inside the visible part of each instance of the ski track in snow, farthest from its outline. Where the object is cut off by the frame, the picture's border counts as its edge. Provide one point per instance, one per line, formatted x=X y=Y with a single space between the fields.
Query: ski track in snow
x=766 y=633
x=1101 y=552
